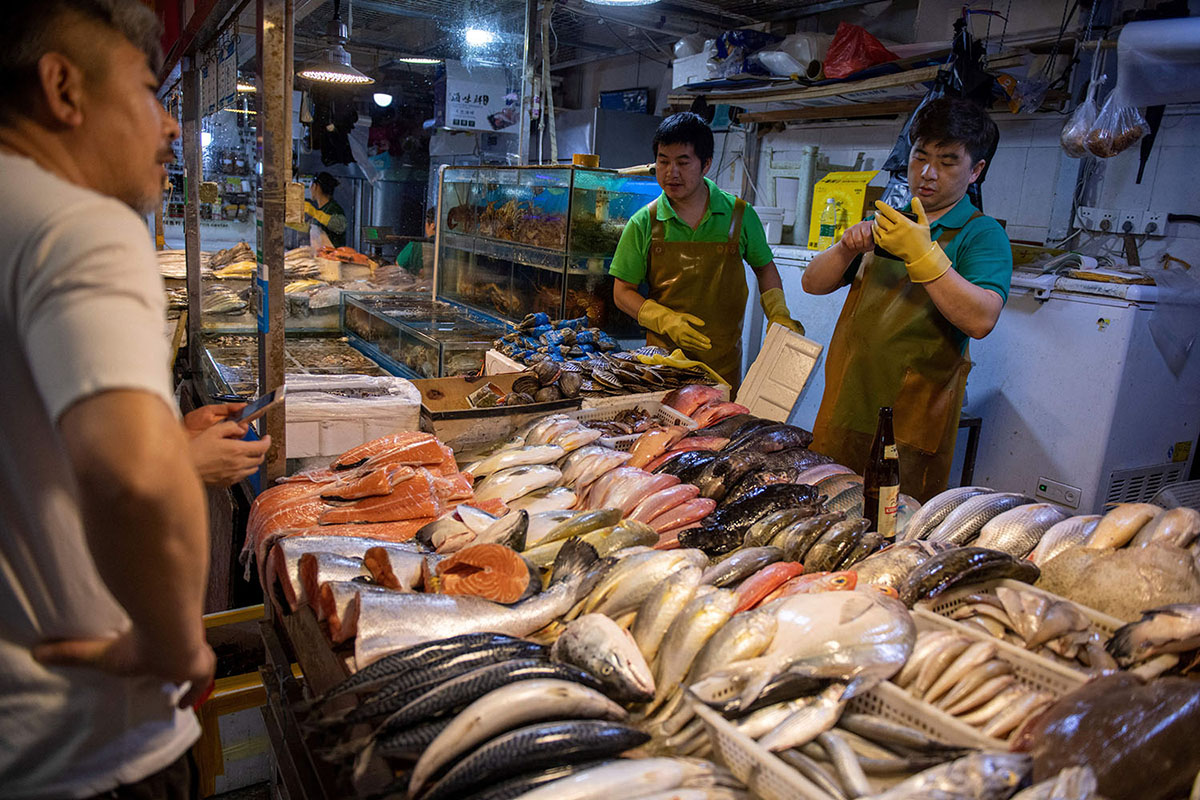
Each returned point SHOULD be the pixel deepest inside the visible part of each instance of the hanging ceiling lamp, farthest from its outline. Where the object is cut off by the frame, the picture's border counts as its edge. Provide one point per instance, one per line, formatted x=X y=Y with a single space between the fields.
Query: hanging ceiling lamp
x=334 y=65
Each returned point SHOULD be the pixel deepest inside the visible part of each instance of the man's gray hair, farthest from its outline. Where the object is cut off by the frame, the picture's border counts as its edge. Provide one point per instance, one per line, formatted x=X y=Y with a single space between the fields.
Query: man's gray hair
x=32 y=28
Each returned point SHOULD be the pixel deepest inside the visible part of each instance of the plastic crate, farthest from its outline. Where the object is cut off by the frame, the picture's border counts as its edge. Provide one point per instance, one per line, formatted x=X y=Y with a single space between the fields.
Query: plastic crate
x=889 y=701
x=945 y=604
x=1031 y=670
x=1185 y=493
x=762 y=772
x=662 y=413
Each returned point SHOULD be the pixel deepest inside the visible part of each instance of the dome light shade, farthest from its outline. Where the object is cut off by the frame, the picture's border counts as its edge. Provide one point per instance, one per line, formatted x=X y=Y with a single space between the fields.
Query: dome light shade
x=334 y=65
x=382 y=99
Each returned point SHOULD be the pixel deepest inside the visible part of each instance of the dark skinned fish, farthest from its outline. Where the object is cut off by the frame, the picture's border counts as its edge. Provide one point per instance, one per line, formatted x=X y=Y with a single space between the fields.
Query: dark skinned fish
x=725 y=471
x=960 y=566
x=687 y=464
x=522 y=784
x=729 y=426
x=772 y=439
x=835 y=544
x=797 y=539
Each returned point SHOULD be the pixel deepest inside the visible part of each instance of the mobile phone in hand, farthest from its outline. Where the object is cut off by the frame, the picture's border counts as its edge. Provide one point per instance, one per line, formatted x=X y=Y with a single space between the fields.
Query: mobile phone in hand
x=259 y=407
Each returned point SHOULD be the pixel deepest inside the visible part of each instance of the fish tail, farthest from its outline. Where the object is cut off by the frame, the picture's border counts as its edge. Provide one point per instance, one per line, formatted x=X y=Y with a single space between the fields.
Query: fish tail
x=573 y=562
x=363 y=762
x=1121 y=645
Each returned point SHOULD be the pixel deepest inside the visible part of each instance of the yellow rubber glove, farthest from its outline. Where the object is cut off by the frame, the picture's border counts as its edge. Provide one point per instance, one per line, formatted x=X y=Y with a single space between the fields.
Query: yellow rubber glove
x=910 y=241
x=775 y=307
x=317 y=214
x=678 y=327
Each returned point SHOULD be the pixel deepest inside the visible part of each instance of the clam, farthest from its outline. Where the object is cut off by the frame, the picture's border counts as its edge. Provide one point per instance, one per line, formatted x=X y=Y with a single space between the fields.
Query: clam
x=547 y=394
x=569 y=383
x=546 y=371
x=518 y=399
x=526 y=384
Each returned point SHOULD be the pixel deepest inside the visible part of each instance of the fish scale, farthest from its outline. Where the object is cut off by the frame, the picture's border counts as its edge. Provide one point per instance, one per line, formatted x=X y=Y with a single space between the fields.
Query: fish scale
x=963 y=523
x=533 y=747
x=1018 y=530
x=938 y=508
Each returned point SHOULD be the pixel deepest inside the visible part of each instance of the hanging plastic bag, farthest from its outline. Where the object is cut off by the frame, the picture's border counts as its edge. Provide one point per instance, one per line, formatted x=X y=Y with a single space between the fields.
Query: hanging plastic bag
x=853 y=49
x=1082 y=119
x=1118 y=127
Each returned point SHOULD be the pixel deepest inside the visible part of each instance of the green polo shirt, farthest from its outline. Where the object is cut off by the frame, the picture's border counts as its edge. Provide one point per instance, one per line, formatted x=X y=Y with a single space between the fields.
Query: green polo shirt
x=630 y=261
x=980 y=252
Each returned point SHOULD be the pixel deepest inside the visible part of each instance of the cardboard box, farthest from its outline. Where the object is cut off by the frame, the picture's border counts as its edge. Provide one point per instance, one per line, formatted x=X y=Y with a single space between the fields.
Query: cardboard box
x=854 y=197
x=446 y=413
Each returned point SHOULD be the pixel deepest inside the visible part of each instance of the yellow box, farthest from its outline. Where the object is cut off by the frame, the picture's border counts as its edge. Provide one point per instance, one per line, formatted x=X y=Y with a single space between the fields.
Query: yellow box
x=855 y=200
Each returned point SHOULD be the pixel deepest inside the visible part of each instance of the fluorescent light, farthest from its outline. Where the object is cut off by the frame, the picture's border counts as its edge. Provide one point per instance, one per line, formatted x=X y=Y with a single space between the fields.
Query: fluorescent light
x=383 y=99
x=245 y=87
x=477 y=37
x=239 y=111
x=419 y=60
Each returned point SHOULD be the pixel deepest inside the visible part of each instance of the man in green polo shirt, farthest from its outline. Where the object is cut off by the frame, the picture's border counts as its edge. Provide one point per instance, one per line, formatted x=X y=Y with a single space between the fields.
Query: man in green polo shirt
x=901 y=340
x=688 y=246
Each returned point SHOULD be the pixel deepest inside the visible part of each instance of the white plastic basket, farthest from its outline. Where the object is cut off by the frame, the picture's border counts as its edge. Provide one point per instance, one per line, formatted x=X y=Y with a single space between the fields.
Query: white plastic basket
x=656 y=409
x=762 y=772
x=944 y=605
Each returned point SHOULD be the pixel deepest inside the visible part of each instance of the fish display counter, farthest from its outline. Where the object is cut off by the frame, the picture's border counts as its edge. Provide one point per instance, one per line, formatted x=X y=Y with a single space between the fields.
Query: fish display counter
x=230 y=362
x=511 y=240
x=702 y=611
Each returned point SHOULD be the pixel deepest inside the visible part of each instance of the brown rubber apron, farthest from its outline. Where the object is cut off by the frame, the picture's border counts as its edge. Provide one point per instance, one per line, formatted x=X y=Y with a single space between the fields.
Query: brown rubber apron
x=892 y=347
x=706 y=279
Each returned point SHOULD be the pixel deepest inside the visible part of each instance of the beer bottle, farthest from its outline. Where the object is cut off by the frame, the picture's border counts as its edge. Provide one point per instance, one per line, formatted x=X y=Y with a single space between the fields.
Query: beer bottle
x=881 y=482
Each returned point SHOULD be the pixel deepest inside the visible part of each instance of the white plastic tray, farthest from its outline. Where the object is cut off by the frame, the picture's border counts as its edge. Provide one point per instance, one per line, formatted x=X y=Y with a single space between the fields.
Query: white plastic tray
x=655 y=408
x=945 y=604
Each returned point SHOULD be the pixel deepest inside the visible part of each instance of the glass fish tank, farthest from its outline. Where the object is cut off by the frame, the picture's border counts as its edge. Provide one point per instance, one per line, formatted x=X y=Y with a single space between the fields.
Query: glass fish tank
x=515 y=240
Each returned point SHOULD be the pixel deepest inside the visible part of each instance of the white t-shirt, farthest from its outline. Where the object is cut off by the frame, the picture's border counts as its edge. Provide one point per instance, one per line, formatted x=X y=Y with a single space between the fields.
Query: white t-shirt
x=81 y=311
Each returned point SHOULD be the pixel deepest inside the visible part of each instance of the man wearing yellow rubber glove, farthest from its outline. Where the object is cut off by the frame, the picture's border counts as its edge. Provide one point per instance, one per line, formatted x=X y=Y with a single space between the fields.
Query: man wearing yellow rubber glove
x=921 y=287
x=328 y=228
x=688 y=246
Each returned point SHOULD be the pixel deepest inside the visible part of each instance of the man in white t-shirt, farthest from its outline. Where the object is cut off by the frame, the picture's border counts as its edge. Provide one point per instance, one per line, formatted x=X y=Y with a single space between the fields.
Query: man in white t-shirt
x=103 y=531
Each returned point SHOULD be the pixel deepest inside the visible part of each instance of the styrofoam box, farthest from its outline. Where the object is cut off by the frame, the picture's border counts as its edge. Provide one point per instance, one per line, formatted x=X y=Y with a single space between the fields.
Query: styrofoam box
x=690 y=69
x=321 y=424
x=496 y=363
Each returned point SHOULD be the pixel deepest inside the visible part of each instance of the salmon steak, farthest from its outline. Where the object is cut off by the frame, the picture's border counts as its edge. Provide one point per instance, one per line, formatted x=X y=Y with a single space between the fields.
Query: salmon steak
x=491 y=571
x=409 y=499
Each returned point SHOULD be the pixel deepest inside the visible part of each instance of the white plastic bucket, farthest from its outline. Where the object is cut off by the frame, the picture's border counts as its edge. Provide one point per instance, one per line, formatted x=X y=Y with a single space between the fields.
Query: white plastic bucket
x=772 y=220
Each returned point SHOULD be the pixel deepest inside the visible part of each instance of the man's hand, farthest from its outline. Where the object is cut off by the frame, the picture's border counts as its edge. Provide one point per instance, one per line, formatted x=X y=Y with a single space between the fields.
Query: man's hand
x=859 y=238
x=221 y=457
x=677 y=326
x=910 y=241
x=129 y=655
x=205 y=417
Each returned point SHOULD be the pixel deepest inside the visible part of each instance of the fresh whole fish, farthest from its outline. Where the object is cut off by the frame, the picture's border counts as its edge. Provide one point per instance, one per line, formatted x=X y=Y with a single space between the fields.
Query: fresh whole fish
x=532 y=747
x=937 y=661
x=859 y=637
x=849 y=500
x=509 y=484
x=1120 y=525
x=715 y=410
x=578 y=474
x=976 y=654
x=844 y=581
x=683 y=514
x=845 y=762
x=517 y=457
x=1018 y=530
x=772 y=438
x=762 y=532
x=599 y=646
x=732 y=427
x=963 y=565
x=526 y=782
x=629 y=494
x=597 y=492
x=816 y=715
x=1068 y=533
x=927 y=643
x=1073 y=783
x=575 y=438
x=406 y=744
x=740 y=564
x=973 y=680
x=1177 y=526
x=833 y=485
x=687 y=464
x=798 y=538
x=545 y=499
x=1169 y=629
x=506 y=708
x=870 y=542
x=725 y=472
x=582 y=523
x=537 y=433
x=627 y=584
x=651 y=444
x=630 y=777
x=982 y=694
x=663 y=500
x=988 y=711
x=744 y=636
x=938 y=508
x=661 y=606
x=1015 y=715
x=835 y=544
x=606 y=541
x=815 y=474
x=695 y=625
x=985 y=776
x=686 y=399
x=542 y=522
x=388 y=623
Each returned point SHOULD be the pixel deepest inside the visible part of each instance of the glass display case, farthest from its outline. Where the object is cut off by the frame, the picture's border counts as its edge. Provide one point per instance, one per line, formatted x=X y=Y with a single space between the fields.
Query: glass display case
x=515 y=240
x=415 y=336
x=230 y=362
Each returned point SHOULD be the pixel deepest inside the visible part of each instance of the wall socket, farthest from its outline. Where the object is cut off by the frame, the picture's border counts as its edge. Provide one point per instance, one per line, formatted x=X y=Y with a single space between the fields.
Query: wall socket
x=1130 y=222
x=1154 y=223
x=1101 y=220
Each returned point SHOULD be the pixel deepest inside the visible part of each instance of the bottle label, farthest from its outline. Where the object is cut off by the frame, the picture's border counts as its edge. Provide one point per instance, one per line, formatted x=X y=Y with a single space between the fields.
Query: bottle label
x=828 y=229
x=889 y=508
x=890 y=451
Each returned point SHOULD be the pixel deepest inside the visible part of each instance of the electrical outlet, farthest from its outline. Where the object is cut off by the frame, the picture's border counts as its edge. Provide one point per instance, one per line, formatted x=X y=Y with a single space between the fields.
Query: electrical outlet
x=1154 y=223
x=1085 y=218
x=1100 y=220
x=1106 y=220
x=1130 y=222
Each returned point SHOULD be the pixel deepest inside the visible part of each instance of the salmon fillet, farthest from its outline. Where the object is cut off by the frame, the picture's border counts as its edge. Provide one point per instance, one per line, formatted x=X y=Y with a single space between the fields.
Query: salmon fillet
x=492 y=571
x=365 y=482
x=409 y=499
x=405 y=447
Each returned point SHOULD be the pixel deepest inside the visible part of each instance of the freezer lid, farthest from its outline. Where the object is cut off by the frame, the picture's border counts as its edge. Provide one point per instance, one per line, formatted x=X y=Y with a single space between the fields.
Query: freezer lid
x=1044 y=286
x=779 y=374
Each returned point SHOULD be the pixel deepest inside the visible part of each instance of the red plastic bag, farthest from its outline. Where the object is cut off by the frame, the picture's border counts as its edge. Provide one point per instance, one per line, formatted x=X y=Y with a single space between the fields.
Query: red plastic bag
x=853 y=49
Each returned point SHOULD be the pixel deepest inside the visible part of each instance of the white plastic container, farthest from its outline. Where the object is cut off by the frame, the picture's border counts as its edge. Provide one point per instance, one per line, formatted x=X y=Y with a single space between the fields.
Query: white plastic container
x=323 y=422
x=772 y=220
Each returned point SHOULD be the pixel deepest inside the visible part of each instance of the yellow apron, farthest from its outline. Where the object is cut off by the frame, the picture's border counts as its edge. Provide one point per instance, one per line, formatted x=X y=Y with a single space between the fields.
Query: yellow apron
x=706 y=279
x=892 y=347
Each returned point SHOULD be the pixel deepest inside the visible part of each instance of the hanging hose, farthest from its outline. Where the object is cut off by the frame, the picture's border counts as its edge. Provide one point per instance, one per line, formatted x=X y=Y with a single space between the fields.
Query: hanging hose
x=548 y=93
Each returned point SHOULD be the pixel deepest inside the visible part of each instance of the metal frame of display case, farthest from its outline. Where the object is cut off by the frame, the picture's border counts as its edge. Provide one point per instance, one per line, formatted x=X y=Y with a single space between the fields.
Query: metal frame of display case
x=399 y=326
x=553 y=259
